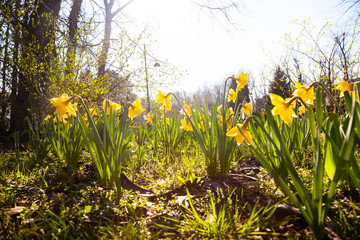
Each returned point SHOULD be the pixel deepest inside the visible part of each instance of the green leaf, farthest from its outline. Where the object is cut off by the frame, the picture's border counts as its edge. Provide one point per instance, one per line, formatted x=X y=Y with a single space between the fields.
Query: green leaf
x=88 y=209
x=330 y=164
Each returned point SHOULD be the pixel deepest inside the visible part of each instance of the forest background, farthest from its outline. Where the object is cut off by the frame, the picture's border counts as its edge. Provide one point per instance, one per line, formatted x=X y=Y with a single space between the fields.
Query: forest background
x=89 y=48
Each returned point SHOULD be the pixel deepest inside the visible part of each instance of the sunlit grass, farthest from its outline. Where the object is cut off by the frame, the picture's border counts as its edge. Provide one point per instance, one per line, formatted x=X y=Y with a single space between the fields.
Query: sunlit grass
x=68 y=182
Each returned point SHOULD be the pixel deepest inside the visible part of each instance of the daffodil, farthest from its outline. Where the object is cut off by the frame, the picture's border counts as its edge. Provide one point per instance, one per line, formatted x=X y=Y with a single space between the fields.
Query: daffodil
x=165 y=99
x=63 y=105
x=301 y=110
x=231 y=111
x=47 y=118
x=203 y=114
x=240 y=132
x=306 y=93
x=148 y=118
x=186 y=125
x=111 y=105
x=228 y=121
x=164 y=120
x=61 y=118
x=92 y=113
x=232 y=95
x=242 y=80
x=166 y=106
x=284 y=108
x=187 y=109
x=219 y=109
x=201 y=126
x=160 y=97
x=135 y=108
x=344 y=86
x=247 y=109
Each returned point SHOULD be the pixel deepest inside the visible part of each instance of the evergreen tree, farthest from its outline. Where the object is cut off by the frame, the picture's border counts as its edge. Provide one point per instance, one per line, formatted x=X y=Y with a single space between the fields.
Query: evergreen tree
x=280 y=84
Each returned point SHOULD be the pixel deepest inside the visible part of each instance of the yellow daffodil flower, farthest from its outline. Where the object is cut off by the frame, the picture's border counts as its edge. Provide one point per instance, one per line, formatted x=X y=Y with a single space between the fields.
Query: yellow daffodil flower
x=111 y=105
x=148 y=118
x=232 y=95
x=219 y=109
x=135 y=109
x=301 y=110
x=160 y=97
x=284 y=108
x=242 y=80
x=306 y=93
x=165 y=99
x=202 y=126
x=235 y=132
x=220 y=117
x=187 y=109
x=247 y=109
x=344 y=86
x=228 y=122
x=61 y=118
x=63 y=105
x=166 y=121
x=47 y=118
x=92 y=113
x=166 y=106
x=231 y=111
x=186 y=125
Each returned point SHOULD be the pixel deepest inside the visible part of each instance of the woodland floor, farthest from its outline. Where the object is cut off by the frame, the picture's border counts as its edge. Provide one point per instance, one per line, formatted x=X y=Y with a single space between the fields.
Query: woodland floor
x=158 y=214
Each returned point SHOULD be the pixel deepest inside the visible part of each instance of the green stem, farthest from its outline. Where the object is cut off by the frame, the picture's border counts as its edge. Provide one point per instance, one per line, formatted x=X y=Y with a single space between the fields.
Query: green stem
x=331 y=97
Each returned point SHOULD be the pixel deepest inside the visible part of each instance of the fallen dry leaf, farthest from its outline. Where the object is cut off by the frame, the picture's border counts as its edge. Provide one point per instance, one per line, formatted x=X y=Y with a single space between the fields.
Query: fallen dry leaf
x=15 y=210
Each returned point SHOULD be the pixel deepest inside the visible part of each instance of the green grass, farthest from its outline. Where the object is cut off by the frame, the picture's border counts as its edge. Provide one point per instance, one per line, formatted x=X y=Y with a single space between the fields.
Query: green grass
x=59 y=204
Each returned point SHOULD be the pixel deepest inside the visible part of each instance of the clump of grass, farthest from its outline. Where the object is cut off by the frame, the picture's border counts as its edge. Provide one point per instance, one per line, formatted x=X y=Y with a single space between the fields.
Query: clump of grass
x=223 y=218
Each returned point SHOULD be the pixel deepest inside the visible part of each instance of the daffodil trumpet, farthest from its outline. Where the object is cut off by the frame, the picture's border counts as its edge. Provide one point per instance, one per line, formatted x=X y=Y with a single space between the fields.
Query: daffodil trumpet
x=63 y=105
x=283 y=108
x=240 y=132
x=165 y=99
x=135 y=108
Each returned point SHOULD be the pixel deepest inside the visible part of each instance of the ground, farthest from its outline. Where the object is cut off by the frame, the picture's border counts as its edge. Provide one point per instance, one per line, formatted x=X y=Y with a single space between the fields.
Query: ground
x=246 y=204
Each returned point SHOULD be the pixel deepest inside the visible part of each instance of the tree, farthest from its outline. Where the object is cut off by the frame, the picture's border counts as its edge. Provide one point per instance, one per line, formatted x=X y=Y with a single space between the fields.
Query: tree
x=36 y=51
x=43 y=54
x=330 y=53
x=109 y=16
x=220 y=10
x=72 y=39
x=280 y=84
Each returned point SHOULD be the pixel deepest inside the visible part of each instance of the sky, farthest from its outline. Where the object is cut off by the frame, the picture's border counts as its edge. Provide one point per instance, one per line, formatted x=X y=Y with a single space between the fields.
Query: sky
x=210 y=50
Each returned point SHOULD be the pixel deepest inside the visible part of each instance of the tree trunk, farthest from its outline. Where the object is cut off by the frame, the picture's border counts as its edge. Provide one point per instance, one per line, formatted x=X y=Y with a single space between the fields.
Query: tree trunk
x=4 y=83
x=73 y=28
x=14 y=73
x=37 y=51
x=107 y=33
